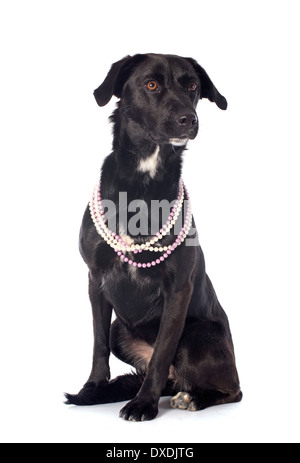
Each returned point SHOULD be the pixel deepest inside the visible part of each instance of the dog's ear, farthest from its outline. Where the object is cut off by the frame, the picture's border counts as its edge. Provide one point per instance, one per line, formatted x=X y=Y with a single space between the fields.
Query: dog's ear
x=107 y=89
x=115 y=79
x=208 y=90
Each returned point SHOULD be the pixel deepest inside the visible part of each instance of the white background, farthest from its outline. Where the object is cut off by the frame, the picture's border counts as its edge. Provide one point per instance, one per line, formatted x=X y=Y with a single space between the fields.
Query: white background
x=243 y=176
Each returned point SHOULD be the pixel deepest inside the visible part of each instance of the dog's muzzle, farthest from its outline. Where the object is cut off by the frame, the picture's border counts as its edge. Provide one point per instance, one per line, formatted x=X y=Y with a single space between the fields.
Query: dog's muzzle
x=188 y=120
x=187 y=125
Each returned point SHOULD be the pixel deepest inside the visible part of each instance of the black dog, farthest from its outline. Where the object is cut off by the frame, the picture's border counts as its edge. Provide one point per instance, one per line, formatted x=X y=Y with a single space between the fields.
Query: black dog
x=170 y=325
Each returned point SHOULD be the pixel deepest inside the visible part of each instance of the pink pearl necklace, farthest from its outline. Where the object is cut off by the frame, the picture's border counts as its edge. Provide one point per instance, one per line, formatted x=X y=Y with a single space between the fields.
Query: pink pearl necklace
x=121 y=247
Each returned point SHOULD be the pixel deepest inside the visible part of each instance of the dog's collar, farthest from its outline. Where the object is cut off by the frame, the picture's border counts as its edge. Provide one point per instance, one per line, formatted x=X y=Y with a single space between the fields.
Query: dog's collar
x=121 y=247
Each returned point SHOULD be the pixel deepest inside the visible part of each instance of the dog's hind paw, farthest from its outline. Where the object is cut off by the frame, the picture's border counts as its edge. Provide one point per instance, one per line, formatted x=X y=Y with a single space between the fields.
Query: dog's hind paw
x=183 y=401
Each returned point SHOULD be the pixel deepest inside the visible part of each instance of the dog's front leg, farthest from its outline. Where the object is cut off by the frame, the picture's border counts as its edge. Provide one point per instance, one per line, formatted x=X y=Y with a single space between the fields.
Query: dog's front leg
x=100 y=373
x=145 y=405
x=102 y=312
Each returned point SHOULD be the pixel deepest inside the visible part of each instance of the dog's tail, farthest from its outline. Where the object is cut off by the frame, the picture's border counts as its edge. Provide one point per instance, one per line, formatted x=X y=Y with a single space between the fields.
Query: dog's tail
x=119 y=389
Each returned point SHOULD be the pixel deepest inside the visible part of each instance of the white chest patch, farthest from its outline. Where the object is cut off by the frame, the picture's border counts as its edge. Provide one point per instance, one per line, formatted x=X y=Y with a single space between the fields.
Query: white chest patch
x=122 y=232
x=150 y=164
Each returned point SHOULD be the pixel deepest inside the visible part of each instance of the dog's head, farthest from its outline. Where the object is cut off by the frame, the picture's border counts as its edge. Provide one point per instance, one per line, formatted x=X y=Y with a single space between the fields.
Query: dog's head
x=159 y=94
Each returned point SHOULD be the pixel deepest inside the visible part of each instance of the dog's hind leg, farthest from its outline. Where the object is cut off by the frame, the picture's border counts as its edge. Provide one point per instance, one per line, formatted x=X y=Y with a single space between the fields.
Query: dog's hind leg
x=134 y=351
x=123 y=387
x=204 y=367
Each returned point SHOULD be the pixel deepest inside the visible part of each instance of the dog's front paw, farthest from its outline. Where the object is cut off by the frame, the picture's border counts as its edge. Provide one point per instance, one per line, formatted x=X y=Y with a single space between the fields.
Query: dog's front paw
x=139 y=410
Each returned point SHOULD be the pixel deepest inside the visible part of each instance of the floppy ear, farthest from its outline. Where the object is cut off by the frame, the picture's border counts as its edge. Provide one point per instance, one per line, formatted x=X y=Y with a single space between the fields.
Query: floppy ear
x=115 y=79
x=107 y=89
x=208 y=90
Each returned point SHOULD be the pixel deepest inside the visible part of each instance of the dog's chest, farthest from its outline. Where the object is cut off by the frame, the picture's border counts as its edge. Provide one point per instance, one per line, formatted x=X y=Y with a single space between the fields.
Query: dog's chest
x=135 y=297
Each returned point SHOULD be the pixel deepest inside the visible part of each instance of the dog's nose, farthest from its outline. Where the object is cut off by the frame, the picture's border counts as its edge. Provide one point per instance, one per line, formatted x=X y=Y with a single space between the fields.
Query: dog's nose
x=187 y=120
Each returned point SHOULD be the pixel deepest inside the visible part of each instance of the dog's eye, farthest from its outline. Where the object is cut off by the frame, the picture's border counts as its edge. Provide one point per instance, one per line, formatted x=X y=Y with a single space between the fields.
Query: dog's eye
x=152 y=85
x=192 y=86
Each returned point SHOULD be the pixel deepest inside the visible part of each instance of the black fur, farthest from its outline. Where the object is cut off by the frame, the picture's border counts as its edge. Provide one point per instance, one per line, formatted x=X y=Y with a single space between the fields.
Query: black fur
x=170 y=325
